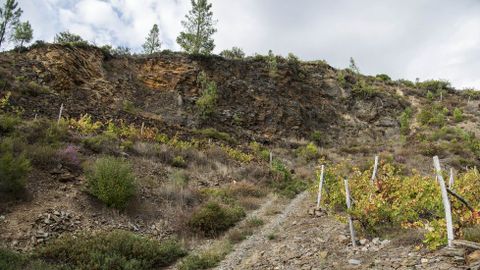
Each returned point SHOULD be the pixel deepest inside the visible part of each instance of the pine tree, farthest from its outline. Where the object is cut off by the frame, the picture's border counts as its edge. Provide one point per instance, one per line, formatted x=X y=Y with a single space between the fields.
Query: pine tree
x=9 y=18
x=68 y=38
x=199 y=28
x=23 y=33
x=152 y=43
x=353 y=66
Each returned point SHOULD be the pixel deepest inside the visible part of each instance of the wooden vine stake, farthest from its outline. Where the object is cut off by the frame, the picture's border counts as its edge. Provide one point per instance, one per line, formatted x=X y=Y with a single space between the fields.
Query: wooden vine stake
x=349 y=205
x=60 y=114
x=375 y=167
x=320 y=187
x=271 y=158
x=446 y=202
x=141 y=129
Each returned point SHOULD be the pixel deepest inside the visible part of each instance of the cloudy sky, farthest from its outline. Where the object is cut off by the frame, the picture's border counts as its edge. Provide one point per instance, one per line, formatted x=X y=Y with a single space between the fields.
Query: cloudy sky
x=426 y=39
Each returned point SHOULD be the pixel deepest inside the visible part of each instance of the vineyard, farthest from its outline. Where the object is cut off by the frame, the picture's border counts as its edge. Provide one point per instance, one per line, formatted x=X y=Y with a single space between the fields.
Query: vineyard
x=398 y=199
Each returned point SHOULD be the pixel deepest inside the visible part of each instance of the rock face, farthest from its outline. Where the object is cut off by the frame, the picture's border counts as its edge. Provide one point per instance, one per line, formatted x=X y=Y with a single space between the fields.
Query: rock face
x=252 y=103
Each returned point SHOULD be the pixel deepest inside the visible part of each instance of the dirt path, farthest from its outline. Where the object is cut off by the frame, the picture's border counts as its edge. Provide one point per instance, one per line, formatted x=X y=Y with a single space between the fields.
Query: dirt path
x=244 y=250
x=297 y=240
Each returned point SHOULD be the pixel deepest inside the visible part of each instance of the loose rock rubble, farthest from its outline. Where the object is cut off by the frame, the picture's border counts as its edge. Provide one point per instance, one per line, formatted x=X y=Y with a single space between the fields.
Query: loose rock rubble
x=53 y=223
x=317 y=212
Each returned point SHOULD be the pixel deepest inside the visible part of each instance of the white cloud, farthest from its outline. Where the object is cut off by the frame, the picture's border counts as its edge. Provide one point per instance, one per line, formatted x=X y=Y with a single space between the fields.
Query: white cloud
x=406 y=39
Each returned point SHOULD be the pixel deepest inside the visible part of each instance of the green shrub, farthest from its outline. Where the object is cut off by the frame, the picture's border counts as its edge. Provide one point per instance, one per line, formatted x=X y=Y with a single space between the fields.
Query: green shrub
x=11 y=260
x=128 y=106
x=316 y=136
x=254 y=222
x=14 y=170
x=309 y=152
x=364 y=89
x=458 y=115
x=208 y=258
x=272 y=64
x=234 y=53
x=383 y=77
x=213 y=218
x=215 y=134
x=34 y=89
x=43 y=156
x=434 y=85
x=433 y=115
x=111 y=180
x=8 y=122
x=406 y=83
x=284 y=182
x=405 y=118
x=111 y=250
x=206 y=103
x=100 y=143
x=341 y=79
x=179 y=162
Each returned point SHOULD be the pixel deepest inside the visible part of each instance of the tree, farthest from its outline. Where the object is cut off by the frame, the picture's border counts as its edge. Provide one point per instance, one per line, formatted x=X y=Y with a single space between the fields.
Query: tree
x=152 y=43
x=353 y=67
x=234 y=53
x=66 y=37
x=9 y=18
x=199 y=28
x=23 y=33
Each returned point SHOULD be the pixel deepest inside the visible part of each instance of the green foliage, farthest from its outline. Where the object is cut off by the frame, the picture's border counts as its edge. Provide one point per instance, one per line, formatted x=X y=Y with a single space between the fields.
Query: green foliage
x=237 y=154
x=23 y=33
x=215 y=134
x=272 y=64
x=100 y=143
x=353 y=66
x=34 y=89
x=435 y=86
x=85 y=125
x=208 y=258
x=152 y=43
x=255 y=222
x=405 y=118
x=206 y=103
x=407 y=83
x=9 y=18
x=213 y=218
x=11 y=260
x=284 y=182
x=430 y=96
x=391 y=203
x=179 y=162
x=8 y=122
x=309 y=152
x=364 y=89
x=67 y=38
x=128 y=106
x=234 y=53
x=14 y=169
x=433 y=115
x=111 y=250
x=317 y=137
x=341 y=79
x=198 y=29
x=458 y=115
x=383 y=77
x=111 y=180
x=471 y=94
x=43 y=156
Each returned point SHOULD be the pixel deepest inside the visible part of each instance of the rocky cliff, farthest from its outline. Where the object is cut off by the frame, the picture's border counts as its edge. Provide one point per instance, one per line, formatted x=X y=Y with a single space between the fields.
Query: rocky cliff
x=161 y=90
